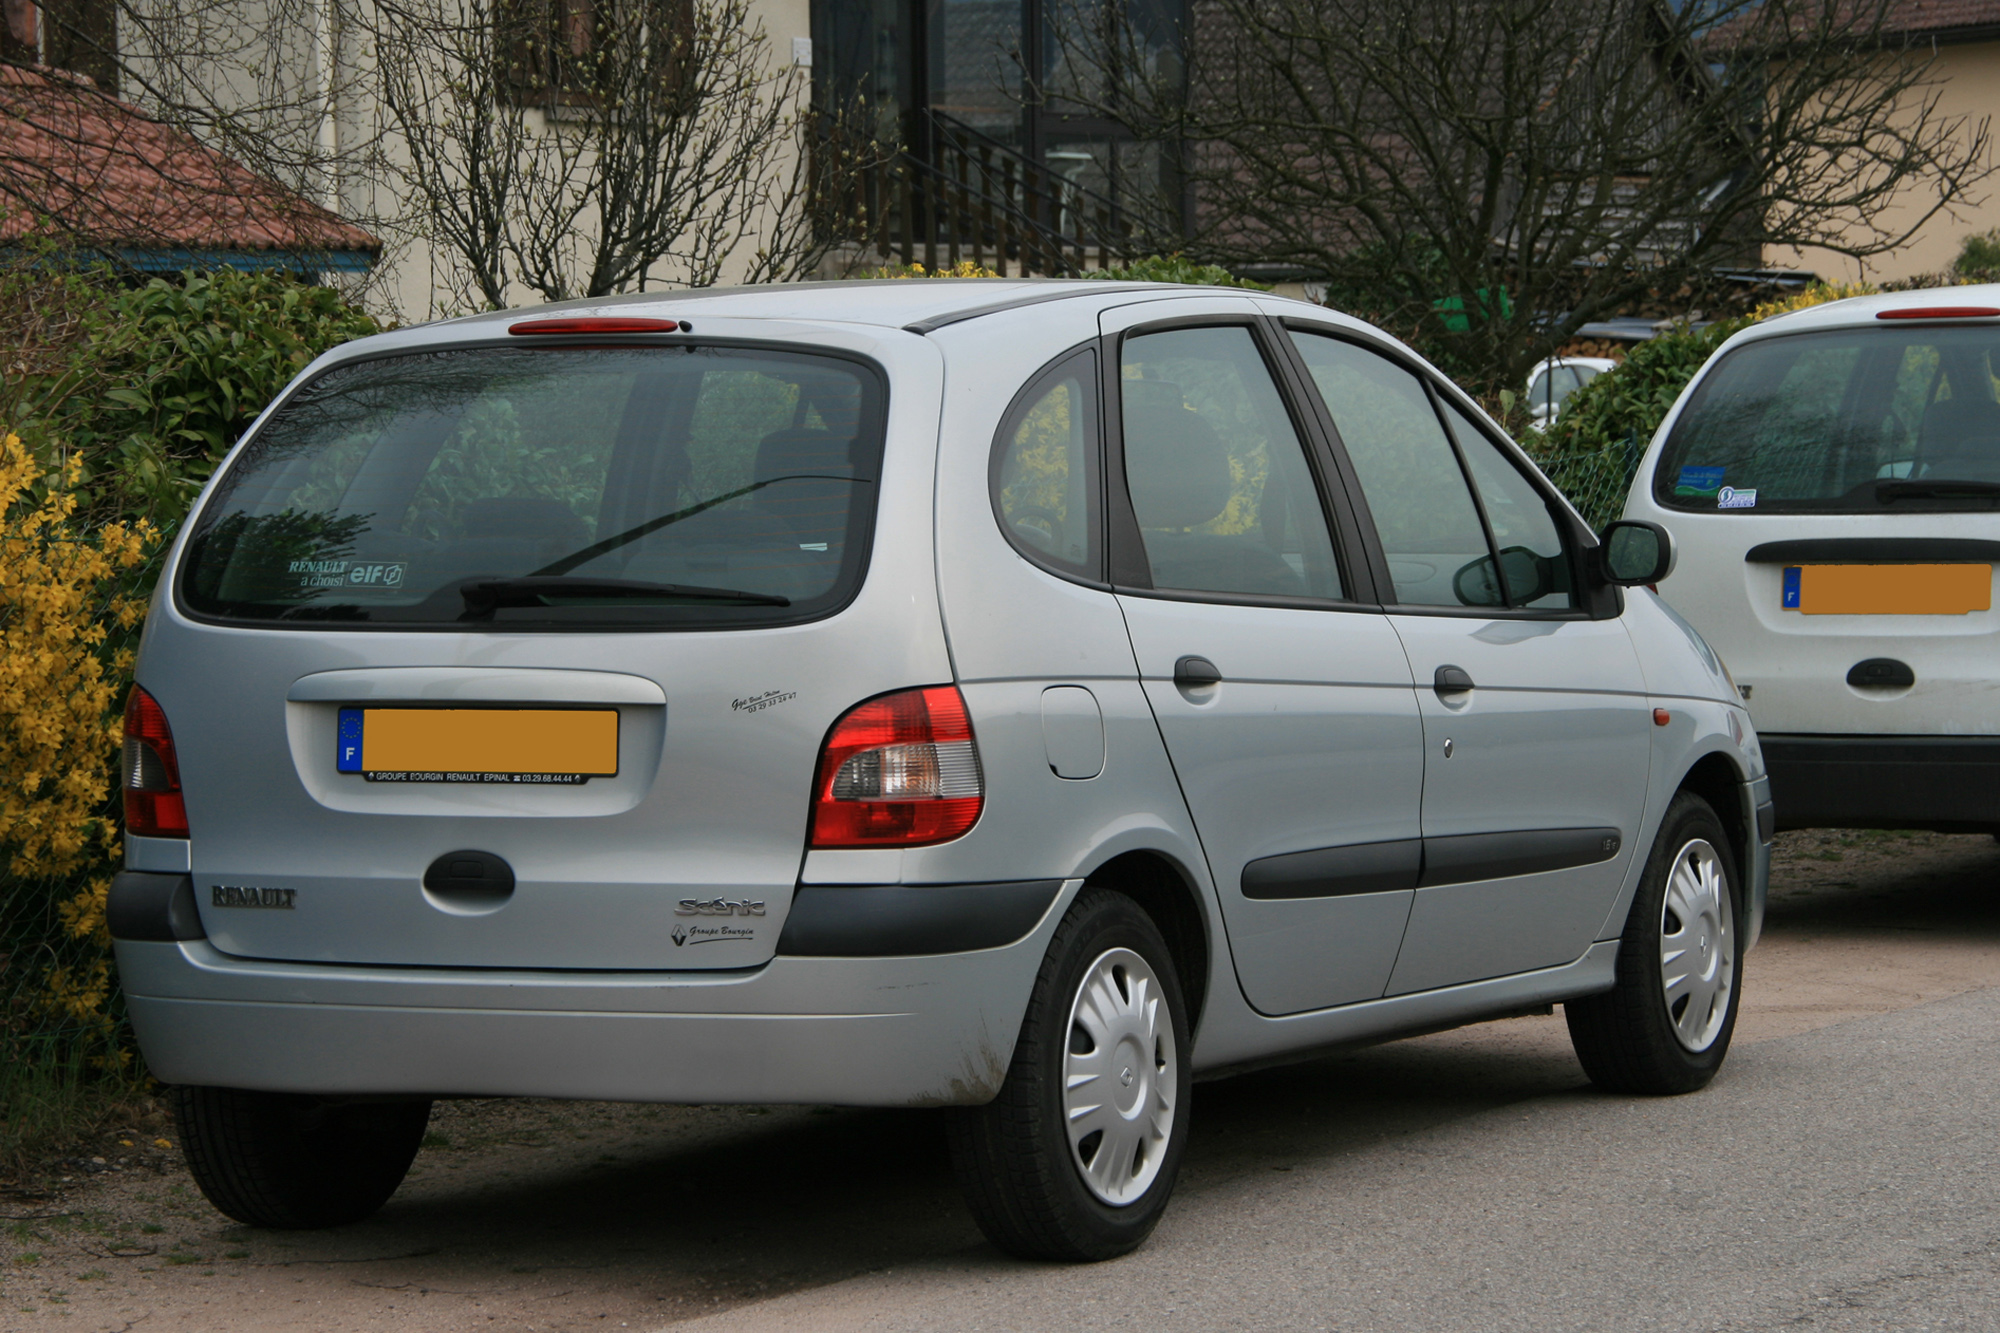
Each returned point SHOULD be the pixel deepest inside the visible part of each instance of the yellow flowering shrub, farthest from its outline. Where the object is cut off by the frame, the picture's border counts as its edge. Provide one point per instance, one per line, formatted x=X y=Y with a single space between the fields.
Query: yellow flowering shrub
x=60 y=596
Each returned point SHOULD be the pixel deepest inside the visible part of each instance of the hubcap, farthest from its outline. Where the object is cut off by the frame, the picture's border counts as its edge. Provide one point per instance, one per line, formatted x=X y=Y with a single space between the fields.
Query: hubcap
x=1119 y=1077
x=1697 y=946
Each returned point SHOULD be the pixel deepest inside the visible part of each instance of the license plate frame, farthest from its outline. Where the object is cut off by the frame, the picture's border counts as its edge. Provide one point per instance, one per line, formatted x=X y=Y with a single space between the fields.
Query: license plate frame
x=1954 y=589
x=554 y=747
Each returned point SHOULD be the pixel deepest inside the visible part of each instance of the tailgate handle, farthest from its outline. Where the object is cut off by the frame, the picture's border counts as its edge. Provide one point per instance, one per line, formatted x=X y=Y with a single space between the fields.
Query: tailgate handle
x=1451 y=680
x=1193 y=673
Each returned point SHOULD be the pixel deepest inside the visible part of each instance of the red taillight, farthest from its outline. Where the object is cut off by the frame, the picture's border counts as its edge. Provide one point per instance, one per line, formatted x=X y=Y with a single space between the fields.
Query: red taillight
x=899 y=771
x=599 y=324
x=152 y=775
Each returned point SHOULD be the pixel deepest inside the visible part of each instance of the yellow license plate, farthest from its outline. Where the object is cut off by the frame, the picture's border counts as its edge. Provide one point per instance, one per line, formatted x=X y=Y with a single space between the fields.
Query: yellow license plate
x=1888 y=590
x=513 y=745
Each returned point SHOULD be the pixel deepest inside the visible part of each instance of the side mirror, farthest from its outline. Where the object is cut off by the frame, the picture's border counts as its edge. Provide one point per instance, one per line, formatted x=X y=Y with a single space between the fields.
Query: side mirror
x=1632 y=552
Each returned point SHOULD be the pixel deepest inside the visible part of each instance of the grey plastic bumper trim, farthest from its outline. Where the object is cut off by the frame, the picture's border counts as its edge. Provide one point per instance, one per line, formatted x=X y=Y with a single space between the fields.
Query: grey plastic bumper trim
x=144 y=905
x=909 y=920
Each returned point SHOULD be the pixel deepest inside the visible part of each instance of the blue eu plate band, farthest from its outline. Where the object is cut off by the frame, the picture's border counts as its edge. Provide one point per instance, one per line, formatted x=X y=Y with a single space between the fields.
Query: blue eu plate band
x=347 y=750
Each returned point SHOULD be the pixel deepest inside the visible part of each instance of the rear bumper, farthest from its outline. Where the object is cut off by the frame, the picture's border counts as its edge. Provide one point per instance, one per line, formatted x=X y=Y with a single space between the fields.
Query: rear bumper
x=899 y=1031
x=1947 y=783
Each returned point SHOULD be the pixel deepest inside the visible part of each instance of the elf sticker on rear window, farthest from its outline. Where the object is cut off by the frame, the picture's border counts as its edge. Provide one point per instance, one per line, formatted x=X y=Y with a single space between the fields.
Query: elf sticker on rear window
x=1731 y=498
x=356 y=574
x=1699 y=481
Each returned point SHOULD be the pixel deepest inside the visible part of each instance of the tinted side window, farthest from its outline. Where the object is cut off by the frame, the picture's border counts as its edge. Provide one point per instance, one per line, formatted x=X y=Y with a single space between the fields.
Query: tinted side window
x=1218 y=478
x=1045 y=468
x=1533 y=560
x=1409 y=475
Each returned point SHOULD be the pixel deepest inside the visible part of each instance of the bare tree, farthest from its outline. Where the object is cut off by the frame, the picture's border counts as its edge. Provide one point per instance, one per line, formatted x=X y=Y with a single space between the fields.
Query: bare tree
x=1493 y=174
x=559 y=147
x=580 y=150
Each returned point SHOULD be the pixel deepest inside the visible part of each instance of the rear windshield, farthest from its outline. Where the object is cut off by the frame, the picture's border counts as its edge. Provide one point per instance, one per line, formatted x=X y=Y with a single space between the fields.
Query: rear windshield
x=550 y=489
x=1849 y=421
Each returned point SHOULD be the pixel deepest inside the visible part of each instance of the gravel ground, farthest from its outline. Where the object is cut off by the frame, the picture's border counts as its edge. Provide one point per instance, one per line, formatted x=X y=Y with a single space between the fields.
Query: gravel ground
x=528 y=1215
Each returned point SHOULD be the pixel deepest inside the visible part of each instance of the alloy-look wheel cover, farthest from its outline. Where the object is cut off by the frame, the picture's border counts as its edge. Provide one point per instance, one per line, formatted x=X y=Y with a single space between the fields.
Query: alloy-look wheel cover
x=1697 y=946
x=1120 y=1077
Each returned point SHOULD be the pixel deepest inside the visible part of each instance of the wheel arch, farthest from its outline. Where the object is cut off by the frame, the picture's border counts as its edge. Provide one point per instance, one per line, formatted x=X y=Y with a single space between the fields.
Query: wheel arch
x=1716 y=779
x=1164 y=891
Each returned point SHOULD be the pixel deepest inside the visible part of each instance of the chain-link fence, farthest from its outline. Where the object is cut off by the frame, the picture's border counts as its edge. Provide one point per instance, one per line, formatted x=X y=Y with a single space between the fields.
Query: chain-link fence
x=1596 y=483
x=63 y=1043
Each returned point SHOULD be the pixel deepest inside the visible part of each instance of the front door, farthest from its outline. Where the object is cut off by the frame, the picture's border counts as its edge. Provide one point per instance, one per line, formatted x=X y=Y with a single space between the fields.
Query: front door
x=1535 y=715
x=1285 y=701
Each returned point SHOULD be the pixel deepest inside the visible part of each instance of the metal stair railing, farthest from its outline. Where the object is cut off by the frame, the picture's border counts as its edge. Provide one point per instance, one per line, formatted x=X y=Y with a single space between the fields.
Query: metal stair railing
x=975 y=198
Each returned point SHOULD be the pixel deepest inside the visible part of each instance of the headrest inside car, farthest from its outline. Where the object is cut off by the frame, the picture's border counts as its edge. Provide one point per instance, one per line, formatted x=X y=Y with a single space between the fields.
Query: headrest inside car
x=785 y=453
x=1175 y=464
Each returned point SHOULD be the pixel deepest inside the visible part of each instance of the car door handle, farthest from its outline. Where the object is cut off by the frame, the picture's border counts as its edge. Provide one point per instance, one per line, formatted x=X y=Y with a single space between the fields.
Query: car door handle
x=1195 y=672
x=1451 y=680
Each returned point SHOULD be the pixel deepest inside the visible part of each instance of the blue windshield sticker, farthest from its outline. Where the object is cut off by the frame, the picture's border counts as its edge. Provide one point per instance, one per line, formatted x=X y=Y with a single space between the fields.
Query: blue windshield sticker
x=1791 y=592
x=1699 y=481
x=1731 y=498
x=347 y=755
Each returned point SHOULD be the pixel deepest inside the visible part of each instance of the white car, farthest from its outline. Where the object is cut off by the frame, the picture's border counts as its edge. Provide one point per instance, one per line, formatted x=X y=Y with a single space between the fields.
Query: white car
x=1833 y=477
x=1555 y=380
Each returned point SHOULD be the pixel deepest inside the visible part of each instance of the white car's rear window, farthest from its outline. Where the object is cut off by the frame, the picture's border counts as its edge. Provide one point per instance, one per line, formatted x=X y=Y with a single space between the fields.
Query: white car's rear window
x=1865 y=420
x=657 y=487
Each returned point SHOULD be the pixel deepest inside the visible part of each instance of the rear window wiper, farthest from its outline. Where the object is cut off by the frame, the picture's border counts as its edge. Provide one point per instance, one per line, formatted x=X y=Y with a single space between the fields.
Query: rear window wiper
x=1942 y=488
x=483 y=597
x=653 y=525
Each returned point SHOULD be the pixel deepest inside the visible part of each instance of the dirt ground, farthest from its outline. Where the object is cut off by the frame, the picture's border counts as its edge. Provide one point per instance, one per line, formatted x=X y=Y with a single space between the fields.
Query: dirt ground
x=553 y=1215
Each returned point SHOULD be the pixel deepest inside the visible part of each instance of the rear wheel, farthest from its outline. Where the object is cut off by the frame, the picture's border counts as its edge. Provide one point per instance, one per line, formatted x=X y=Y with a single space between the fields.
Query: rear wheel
x=1665 y=1027
x=292 y=1163
x=1077 y=1156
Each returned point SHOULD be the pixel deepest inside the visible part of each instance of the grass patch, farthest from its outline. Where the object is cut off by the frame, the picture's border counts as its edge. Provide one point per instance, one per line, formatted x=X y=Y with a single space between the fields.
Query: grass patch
x=51 y=1101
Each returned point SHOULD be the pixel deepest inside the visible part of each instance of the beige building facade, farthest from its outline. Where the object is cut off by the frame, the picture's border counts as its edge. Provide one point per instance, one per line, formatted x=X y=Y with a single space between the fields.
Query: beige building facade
x=1965 y=38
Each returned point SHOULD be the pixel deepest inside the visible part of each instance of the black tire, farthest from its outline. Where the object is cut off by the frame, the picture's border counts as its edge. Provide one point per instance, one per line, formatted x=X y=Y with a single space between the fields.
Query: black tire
x=295 y=1163
x=1629 y=1038
x=1013 y=1156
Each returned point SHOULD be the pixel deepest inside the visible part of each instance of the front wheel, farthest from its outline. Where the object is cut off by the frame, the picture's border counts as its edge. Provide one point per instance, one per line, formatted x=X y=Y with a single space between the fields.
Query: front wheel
x=1076 y=1157
x=1665 y=1027
x=289 y=1163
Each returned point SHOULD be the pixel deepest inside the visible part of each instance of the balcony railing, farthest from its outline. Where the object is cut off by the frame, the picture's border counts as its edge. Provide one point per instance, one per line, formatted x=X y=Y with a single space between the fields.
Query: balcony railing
x=971 y=197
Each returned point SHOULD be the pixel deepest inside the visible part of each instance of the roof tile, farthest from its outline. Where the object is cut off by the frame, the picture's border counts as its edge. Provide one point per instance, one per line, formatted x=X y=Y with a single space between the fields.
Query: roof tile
x=78 y=161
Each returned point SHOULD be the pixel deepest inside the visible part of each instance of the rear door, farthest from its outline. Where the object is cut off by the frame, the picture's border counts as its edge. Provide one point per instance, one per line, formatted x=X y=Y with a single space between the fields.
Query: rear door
x=632 y=588
x=1535 y=718
x=1281 y=691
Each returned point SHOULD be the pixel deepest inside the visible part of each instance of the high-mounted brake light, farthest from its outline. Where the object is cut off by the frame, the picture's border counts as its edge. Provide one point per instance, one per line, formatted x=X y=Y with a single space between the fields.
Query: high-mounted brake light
x=152 y=774
x=901 y=770
x=1940 y=312
x=599 y=324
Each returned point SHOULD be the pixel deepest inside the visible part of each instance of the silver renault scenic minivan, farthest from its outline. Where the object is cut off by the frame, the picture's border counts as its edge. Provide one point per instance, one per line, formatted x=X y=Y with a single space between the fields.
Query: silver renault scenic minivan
x=1016 y=698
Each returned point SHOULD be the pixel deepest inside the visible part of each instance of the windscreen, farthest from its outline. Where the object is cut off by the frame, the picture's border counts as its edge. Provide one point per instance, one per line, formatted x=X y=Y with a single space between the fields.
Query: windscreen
x=581 y=488
x=1848 y=421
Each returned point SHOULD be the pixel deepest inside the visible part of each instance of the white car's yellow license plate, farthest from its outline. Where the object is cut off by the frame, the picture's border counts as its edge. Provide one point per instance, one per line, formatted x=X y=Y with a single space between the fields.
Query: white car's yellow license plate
x=555 y=746
x=1888 y=590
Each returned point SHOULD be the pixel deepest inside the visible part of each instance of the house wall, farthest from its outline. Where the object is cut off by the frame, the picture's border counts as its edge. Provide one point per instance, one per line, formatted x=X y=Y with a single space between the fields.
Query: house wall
x=284 y=56
x=1969 y=85
x=413 y=282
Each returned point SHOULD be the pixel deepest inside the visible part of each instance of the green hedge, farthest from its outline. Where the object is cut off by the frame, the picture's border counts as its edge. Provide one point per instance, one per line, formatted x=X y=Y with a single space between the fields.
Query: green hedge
x=153 y=384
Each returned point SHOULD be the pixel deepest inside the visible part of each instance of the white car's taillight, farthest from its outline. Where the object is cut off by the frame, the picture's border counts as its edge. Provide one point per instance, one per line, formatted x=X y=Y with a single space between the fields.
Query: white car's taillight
x=901 y=770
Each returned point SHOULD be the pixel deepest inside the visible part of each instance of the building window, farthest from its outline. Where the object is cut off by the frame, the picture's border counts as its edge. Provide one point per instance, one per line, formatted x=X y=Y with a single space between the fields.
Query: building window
x=578 y=53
